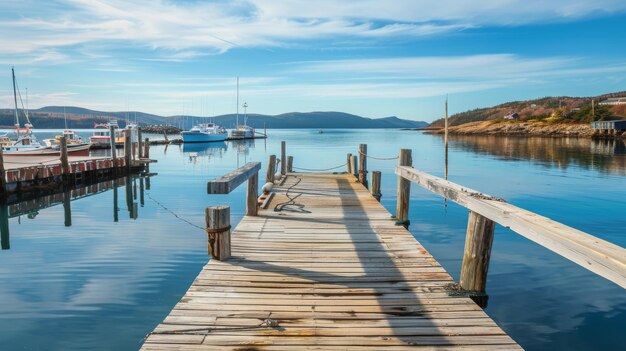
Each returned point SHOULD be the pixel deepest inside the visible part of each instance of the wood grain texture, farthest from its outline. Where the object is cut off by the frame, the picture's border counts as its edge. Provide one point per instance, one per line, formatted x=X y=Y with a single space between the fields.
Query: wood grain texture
x=599 y=256
x=218 y=232
x=335 y=273
x=228 y=182
x=404 y=188
x=478 y=241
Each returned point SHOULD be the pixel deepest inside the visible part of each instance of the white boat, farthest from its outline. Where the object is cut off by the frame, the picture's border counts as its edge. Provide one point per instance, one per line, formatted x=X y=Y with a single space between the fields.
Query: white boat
x=70 y=135
x=26 y=142
x=102 y=134
x=242 y=131
x=205 y=132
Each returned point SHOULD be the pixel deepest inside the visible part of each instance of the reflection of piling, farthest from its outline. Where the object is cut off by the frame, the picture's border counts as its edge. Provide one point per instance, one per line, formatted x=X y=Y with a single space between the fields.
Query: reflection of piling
x=4 y=226
x=129 y=197
x=115 y=207
x=141 y=196
x=67 y=208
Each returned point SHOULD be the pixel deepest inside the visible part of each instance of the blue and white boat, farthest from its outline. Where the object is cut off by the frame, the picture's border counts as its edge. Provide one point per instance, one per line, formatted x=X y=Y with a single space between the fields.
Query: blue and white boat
x=206 y=132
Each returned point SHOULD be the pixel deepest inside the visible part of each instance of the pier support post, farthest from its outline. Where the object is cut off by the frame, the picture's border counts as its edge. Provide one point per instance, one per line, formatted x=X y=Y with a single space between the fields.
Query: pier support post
x=349 y=164
x=404 y=190
x=218 y=231
x=252 y=203
x=139 y=144
x=353 y=165
x=127 y=149
x=65 y=165
x=289 y=164
x=478 y=241
x=3 y=175
x=283 y=158
x=271 y=169
x=363 y=164
x=146 y=149
x=375 y=189
x=112 y=141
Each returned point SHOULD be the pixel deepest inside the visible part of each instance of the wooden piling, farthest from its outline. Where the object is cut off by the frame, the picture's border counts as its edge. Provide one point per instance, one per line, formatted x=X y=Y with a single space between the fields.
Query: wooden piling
x=271 y=169
x=127 y=148
x=65 y=165
x=289 y=164
x=139 y=144
x=3 y=175
x=404 y=190
x=363 y=164
x=375 y=188
x=252 y=203
x=353 y=165
x=478 y=242
x=283 y=158
x=112 y=141
x=146 y=149
x=349 y=163
x=218 y=231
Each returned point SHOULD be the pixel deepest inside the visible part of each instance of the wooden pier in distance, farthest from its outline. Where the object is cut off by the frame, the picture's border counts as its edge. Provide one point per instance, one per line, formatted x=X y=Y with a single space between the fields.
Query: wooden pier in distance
x=326 y=267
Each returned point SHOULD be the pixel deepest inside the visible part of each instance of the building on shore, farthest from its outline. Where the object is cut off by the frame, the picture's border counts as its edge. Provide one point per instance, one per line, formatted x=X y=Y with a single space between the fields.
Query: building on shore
x=614 y=101
x=610 y=126
x=512 y=115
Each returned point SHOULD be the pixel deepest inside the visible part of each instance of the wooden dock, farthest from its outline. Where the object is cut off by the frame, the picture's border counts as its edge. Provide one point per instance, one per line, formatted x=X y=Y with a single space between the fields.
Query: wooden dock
x=325 y=267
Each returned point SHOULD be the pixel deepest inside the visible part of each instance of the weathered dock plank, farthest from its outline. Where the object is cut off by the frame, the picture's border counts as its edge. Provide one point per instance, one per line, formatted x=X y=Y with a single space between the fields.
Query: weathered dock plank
x=334 y=272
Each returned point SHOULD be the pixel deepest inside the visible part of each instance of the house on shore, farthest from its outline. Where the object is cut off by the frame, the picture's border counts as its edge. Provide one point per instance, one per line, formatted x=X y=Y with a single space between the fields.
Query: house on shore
x=511 y=115
x=610 y=127
x=614 y=101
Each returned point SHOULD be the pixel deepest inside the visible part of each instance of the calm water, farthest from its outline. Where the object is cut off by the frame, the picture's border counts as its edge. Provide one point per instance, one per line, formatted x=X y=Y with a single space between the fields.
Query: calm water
x=102 y=284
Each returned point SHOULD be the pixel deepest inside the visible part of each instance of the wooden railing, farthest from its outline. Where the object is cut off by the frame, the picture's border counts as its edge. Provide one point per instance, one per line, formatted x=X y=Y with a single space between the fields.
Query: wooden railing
x=218 y=217
x=599 y=256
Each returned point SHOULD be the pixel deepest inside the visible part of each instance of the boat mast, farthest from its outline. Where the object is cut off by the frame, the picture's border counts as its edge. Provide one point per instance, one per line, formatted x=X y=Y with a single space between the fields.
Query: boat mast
x=17 y=118
x=65 y=117
x=237 y=126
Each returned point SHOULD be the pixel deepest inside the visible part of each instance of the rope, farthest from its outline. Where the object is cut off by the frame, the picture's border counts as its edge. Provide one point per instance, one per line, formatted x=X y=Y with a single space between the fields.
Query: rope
x=174 y=213
x=379 y=158
x=291 y=202
x=319 y=170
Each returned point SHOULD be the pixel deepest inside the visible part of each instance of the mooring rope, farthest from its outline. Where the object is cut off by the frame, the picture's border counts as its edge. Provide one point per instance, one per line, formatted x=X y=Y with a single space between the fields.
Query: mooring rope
x=283 y=206
x=174 y=213
x=379 y=158
x=319 y=170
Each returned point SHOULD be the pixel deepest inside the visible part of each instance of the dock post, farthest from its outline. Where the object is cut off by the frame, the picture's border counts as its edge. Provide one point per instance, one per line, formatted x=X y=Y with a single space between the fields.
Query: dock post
x=478 y=241
x=363 y=164
x=65 y=165
x=139 y=144
x=353 y=165
x=404 y=190
x=289 y=164
x=3 y=175
x=112 y=142
x=127 y=149
x=349 y=164
x=375 y=189
x=146 y=149
x=252 y=203
x=283 y=158
x=218 y=231
x=271 y=169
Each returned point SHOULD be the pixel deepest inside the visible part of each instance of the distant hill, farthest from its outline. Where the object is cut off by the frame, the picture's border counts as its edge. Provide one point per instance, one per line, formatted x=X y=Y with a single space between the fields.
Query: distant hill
x=78 y=117
x=561 y=108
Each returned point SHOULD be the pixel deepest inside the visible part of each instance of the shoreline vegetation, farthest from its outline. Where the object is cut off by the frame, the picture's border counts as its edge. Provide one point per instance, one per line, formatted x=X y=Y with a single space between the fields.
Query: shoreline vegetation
x=547 y=117
x=525 y=128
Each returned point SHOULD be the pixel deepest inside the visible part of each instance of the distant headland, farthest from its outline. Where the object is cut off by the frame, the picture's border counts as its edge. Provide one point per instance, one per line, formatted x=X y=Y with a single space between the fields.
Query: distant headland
x=50 y=117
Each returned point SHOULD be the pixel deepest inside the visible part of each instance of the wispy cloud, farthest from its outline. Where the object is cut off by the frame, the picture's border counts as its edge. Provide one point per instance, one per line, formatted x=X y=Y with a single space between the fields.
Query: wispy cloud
x=186 y=30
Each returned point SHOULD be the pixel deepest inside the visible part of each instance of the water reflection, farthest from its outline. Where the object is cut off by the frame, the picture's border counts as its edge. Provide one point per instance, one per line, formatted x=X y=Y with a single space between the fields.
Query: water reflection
x=602 y=155
x=198 y=151
x=31 y=207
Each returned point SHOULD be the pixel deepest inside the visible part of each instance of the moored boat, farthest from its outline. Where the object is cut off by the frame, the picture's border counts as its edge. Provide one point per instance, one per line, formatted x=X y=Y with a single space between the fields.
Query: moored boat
x=205 y=132
x=102 y=134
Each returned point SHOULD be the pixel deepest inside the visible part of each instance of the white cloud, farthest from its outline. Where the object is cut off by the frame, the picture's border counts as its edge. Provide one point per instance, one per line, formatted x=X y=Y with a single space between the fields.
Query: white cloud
x=201 y=28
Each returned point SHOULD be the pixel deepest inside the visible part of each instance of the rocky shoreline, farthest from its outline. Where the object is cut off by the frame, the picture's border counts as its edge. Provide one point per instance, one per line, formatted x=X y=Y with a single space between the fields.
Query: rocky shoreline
x=515 y=128
x=157 y=129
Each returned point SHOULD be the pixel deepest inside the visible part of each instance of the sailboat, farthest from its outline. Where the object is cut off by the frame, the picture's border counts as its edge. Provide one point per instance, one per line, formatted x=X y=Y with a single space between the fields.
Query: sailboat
x=242 y=131
x=73 y=139
x=26 y=143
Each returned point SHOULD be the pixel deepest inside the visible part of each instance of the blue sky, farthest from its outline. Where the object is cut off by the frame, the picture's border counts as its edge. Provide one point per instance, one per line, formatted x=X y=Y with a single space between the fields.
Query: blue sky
x=372 y=58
